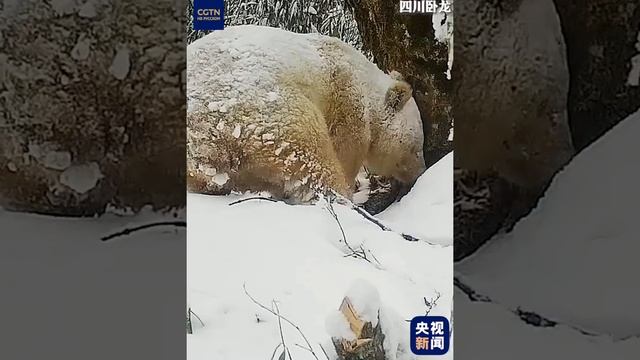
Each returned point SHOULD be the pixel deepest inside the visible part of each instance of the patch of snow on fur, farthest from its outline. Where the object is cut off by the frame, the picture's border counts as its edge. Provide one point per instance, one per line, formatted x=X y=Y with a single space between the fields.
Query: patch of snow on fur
x=220 y=179
x=237 y=131
x=120 y=66
x=81 y=178
x=57 y=160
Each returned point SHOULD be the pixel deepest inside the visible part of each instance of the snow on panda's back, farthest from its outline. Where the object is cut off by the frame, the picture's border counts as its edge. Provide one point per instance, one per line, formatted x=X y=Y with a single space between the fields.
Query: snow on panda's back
x=247 y=64
x=251 y=55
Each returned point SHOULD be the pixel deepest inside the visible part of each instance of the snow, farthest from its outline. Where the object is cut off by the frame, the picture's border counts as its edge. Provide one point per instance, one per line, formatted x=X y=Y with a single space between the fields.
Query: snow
x=88 y=10
x=428 y=212
x=237 y=131
x=633 y=78
x=485 y=331
x=294 y=255
x=63 y=7
x=220 y=179
x=120 y=66
x=580 y=244
x=71 y=293
x=12 y=167
x=81 y=50
x=81 y=178
x=250 y=59
x=338 y=326
x=365 y=300
x=58 y=160
x=442 y=23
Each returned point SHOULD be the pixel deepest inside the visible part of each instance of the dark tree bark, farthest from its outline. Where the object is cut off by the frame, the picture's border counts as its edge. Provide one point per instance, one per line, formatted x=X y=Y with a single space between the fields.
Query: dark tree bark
x=600 y=37
x=406 y=43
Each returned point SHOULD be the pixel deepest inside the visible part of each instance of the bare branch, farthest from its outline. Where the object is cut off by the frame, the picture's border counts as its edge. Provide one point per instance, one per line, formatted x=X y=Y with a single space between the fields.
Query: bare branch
x=253 y=198
x=128 y=231
x=196 y=315
x=361 y=252
x=430 y=304
x=375 y=221
x=324 y=351
x=244 y=286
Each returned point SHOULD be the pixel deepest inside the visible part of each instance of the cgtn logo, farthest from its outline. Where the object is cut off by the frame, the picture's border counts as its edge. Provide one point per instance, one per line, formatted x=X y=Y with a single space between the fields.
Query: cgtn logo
x=208 y=14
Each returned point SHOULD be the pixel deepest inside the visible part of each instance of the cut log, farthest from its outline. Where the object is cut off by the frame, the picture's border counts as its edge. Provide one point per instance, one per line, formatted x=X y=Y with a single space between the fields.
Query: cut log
x=368 y=339
x=349 y=312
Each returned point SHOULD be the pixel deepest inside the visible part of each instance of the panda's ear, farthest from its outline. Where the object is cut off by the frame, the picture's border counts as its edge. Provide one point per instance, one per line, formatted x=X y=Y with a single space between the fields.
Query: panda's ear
x=397 y=95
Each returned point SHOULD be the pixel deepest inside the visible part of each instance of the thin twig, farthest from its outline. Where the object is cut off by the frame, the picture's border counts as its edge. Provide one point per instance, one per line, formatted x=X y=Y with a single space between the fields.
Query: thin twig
x=377 y=222
x=273 y=355
x=275 y=305
x=128 y=231
x=432 y=303
x=361 y=253
x=324 y=351
x=244 y=286
x=333 y=213
x=196 y=315
x=382 y=226
x=252 y=198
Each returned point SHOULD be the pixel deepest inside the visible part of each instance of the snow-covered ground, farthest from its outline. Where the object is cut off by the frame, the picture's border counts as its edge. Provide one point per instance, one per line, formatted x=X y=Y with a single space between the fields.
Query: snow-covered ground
x=573 y=260
x=64 y=293
x=486 y=331
x=428 y=212
x=294 y=255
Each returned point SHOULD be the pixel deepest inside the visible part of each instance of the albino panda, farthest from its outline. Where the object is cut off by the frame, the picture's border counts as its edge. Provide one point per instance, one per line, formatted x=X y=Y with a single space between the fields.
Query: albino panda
x=294 y=115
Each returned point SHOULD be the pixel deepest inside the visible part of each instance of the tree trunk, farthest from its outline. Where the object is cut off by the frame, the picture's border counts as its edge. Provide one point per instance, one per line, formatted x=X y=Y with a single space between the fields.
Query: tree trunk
x=406 y=43
x=601 y=38
x=92 y=107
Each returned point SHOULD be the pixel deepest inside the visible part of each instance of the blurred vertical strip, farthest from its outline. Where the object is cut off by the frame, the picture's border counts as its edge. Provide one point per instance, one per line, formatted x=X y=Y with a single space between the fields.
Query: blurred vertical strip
x=92 y=107
x=92 y=144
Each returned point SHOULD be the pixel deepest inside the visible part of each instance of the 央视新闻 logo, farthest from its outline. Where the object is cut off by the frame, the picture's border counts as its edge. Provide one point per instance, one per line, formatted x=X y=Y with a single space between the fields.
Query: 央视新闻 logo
x=430 y=335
